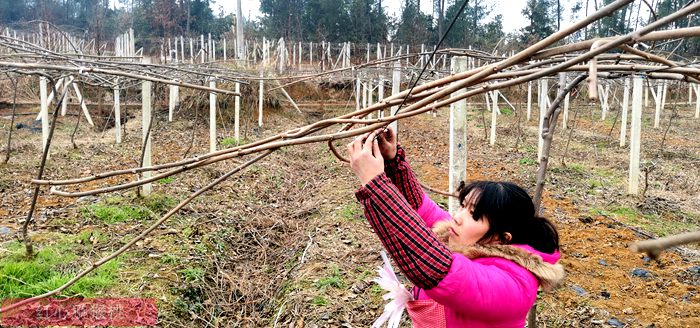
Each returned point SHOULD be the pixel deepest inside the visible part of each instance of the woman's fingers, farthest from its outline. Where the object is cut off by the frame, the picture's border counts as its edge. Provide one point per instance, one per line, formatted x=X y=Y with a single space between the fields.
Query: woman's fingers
x=375 y=149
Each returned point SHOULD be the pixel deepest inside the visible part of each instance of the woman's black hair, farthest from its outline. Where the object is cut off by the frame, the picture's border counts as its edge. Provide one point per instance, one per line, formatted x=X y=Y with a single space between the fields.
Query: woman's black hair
x=508 y=208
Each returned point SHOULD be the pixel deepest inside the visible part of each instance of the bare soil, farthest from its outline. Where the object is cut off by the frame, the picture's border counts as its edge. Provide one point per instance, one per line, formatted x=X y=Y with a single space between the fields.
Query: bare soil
x=285 y=243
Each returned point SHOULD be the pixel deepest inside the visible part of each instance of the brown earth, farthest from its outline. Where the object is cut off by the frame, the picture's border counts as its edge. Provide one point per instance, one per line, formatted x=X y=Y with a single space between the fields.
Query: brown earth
x=284 y=243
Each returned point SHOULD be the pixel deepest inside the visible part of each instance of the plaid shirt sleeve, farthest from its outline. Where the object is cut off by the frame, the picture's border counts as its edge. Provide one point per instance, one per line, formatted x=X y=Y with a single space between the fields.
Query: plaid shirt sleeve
x=404 y=179
x=416 y=250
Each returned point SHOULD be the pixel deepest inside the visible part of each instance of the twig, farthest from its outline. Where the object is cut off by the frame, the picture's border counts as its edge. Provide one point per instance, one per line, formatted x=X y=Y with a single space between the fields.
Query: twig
x=28 y=246
x=549 y=126
x=654 y=247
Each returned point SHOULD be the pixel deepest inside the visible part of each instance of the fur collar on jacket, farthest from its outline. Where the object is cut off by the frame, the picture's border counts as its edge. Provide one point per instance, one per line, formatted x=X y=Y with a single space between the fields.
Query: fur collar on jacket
x=549 y=275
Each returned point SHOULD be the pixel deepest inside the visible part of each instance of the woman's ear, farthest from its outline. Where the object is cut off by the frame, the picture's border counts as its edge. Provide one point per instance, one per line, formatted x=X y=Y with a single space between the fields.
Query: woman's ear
x=507 y=237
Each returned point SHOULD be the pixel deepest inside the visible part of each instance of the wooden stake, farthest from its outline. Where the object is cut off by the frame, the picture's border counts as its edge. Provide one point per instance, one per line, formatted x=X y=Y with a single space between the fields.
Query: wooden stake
x=458 y=136
x=635 y=134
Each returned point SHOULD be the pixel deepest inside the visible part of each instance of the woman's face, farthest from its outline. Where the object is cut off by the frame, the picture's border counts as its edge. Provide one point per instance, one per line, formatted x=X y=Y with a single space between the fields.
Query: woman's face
x=463 y=229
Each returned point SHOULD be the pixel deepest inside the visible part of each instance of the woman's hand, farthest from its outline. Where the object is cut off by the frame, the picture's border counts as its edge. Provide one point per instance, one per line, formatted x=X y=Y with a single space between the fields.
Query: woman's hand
x=387 y=143
x=365 y=157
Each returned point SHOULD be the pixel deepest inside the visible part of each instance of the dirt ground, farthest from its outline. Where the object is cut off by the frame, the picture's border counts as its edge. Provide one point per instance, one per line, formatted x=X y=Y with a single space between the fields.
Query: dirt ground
x=285 y=244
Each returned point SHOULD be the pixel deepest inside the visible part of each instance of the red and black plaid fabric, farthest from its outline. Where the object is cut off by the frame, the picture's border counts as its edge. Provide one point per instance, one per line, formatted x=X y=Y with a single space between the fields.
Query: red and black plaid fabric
x=404 y=179
x=416 y=250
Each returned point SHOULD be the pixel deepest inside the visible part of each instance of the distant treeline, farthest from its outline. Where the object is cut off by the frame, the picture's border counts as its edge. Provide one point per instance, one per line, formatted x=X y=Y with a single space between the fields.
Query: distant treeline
x=360 y=21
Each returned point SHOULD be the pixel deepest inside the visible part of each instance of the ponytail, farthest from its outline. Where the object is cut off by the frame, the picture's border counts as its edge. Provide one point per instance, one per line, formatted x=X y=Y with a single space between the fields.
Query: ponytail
x=544 y=236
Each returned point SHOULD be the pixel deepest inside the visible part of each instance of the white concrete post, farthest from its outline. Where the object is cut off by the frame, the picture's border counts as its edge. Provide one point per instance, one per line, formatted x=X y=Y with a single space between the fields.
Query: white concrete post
x=171 y=102
x=494 y=116
x=364 y=95
x=43 y=94
x=458 y=137
x=237 y=114
x=311 y=54
x=544 y=99
x=182 y=48
x=358 y=89
x=395 y=89
x=64 y=104
x=117 y=116
x=239 y=31
x=225 y=50
x=82 y=104
x=191 y=51
x=380 y=95
x=635 y=134
x=565 y=114
x=657 y=112
x=260 y=102
x=367 y=52
x=176 y=52
x=212 y=116
x=690 y=94
x=625 y=105
x=529 y=100
x=697 y=100
x=146 y=137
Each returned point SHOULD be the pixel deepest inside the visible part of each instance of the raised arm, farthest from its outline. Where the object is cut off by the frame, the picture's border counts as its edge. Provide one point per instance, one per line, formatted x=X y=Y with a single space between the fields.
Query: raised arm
x=414 y=247
x=401 y=174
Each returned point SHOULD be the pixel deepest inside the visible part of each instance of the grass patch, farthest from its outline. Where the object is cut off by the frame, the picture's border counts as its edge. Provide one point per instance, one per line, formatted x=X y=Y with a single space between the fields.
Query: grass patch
x=576 y=167
x=526 y=161
x=319 y=301
x=507 y=111
x=335 y=280
x=114 y=213
x=232 y=142
x=158 y=203
x=351 y=211
x=192 y=274
x=119 y=209
x=51 y=267
x=166 y=180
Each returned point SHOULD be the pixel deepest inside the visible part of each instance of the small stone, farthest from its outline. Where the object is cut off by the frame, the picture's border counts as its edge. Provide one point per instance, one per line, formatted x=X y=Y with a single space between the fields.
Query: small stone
x=5 y=231
x=605 y=294
x=602 y=262
x=628 y=311
x=641 y=273
x=615 y=323
x=578 y=290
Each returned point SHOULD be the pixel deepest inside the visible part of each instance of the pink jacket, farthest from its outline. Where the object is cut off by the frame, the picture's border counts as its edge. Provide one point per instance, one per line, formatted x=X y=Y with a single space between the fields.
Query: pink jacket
x=487 y=290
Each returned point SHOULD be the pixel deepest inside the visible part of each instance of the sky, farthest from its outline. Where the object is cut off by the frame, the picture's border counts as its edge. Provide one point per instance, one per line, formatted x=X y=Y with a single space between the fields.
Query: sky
x=511 y=10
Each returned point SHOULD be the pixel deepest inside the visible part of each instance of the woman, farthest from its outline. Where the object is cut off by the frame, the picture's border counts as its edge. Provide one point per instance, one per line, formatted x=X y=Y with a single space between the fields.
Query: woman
x=480 y=268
